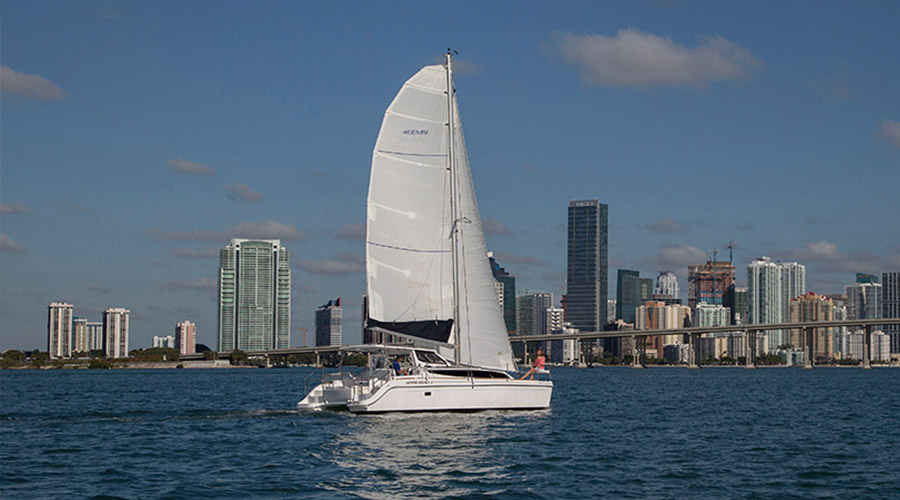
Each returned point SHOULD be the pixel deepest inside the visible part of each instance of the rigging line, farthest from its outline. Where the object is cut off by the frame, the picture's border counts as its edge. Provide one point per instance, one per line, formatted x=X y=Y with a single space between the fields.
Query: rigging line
x=424 y=155
x=405 y=249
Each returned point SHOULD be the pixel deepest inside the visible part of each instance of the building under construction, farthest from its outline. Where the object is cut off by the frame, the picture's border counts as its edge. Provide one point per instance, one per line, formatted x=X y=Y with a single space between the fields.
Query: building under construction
x=708 y=282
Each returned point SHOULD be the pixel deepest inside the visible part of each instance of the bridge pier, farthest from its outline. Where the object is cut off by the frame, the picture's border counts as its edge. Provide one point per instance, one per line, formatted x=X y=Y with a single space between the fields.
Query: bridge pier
x=636 y=352
x=808 y=349
x=318 y=359
x=692 y=351
x=750 y=351
x=867 y=348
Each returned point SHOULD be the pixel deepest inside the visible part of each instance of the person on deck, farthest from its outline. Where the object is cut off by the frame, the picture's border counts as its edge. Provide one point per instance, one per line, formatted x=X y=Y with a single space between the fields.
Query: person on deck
x=538 y=364
x=398 y=368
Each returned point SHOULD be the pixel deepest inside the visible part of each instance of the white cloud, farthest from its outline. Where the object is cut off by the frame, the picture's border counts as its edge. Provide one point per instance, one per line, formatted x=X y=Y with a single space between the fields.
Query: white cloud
x=889 y=131
x=13 y=208
x=676 y=257
x=29 y=86
x=493 y=226
x=343 y=264
x=633 y=58
x=353 y=232
x=665 y=225
x=241 y=193
x=268 y=230
x=190 y=253
x=827 y=259
x=195 y=284
x=7 y=244
x=179 y=166
x=511 y=258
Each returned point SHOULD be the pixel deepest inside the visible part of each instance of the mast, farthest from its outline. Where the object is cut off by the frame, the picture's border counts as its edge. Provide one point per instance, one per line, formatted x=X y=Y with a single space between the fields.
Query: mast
x=454 y=217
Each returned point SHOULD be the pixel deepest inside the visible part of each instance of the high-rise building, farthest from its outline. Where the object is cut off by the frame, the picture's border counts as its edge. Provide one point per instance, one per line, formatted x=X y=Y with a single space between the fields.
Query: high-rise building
x=59 y=329
x=666 y=285
x=736 y=300
x=708 y=282
x=94 y=335
x=115 y=332
x=890 y=306
x=80 y=335
x=611 y=309
x=864 y=301
x=508 y=302
x=186 y=337
x=531 y=311
x=812 y=307
x=770 y=288
x=793 y=282
x=254 y=295
x=632 y=291
x=586 y=274
x=328 y=323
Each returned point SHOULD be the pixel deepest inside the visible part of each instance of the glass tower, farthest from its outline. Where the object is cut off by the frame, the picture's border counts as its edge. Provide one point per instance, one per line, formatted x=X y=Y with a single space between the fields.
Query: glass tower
x=254 y=296
x=586 y=286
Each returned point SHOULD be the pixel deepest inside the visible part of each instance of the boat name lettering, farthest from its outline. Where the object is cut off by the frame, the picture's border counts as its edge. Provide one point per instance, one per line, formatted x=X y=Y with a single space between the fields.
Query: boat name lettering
x=410 y=131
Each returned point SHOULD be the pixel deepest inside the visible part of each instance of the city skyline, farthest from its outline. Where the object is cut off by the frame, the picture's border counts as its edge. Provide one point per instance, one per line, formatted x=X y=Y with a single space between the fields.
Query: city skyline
x=156 y=137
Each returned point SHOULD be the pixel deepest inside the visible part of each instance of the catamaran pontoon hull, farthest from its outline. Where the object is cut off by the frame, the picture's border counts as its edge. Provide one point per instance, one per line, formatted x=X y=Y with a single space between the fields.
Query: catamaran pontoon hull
x=401 y=395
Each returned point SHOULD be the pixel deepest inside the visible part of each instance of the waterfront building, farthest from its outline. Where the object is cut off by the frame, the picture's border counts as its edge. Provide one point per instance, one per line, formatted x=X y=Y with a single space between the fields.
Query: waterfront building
x=709 y=315
x=531 y=313
x=186 y=337
x=254 y=295
x=708 y=282
x=328 y=323
x=864 y=301
x=59 y=329
x=94 y=335
x=793 y=283
x=770 y=288
x=655 y=315
x=611 y=309
x=890 y=306
x=164 y=341
x=812 y=307
x=879 y=349
x=587 y=260
x=508 y=294
x=631 y=292
x=115 y=332
x=79 y=335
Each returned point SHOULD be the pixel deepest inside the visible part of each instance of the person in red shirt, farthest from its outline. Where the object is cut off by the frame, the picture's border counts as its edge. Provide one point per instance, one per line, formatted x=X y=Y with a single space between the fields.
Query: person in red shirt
x=538 y=364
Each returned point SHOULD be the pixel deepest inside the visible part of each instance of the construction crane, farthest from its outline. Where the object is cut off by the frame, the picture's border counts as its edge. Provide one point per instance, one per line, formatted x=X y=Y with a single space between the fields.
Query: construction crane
x=731 y=246
x=304 y=330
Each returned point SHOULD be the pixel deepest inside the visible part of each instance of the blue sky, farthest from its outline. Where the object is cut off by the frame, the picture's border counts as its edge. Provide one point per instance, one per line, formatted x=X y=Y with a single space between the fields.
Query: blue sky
x=138 y=137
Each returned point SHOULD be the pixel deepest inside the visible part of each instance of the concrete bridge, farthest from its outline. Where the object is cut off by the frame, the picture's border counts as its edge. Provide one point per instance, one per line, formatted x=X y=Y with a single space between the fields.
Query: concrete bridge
x=750 y=331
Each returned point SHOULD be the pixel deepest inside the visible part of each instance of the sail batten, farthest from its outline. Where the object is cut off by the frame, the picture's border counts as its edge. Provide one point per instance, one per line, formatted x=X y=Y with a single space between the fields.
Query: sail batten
x=409 y=224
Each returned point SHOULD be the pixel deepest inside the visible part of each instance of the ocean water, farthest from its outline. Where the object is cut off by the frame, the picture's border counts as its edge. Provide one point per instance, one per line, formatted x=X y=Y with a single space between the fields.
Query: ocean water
x=610 y=433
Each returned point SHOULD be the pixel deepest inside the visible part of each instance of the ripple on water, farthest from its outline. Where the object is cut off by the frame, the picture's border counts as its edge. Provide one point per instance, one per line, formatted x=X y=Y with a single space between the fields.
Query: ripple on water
x=610 y=433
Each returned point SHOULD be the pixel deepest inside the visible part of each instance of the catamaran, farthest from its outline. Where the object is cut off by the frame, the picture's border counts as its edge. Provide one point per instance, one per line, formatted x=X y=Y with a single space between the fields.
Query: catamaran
x=428 y=276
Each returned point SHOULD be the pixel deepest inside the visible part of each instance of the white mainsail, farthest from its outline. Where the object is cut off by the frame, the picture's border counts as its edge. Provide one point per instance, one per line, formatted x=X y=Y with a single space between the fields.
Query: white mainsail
x=409 y=254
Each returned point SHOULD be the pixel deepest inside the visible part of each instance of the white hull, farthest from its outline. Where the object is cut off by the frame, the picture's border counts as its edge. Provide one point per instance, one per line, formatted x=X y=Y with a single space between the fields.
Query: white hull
x=427 y=393
x=456 y=394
